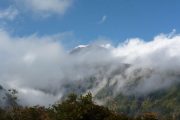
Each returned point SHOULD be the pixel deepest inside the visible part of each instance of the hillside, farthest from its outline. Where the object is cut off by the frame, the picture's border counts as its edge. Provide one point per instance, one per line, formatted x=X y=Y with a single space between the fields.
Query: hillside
x=7 y=97
x=164 y=102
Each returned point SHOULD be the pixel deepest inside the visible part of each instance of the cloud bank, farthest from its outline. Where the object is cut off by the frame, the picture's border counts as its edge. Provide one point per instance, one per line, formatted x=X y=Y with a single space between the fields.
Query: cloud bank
x=43 y=71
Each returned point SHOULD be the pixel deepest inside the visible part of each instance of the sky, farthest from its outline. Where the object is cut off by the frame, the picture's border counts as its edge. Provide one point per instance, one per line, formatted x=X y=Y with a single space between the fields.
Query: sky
x=85 y=21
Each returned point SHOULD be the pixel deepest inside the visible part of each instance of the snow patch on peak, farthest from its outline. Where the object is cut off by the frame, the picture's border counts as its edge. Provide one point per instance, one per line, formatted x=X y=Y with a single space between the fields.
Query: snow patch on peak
x=106 y=46
x=81 y=46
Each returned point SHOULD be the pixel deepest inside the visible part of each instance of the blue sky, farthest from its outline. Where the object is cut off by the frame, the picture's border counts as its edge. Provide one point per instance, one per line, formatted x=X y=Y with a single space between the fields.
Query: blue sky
x=88 y=20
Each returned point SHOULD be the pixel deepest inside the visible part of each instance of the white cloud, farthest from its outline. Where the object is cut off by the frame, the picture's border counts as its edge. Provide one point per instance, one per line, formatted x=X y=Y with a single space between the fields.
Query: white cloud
x=103 y=19
x=46 y=7
x=9 y=14
x=40 y=69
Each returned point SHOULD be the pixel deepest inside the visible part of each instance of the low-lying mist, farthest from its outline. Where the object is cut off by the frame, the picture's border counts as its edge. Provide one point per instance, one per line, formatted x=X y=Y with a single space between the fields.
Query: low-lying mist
x=42 y=71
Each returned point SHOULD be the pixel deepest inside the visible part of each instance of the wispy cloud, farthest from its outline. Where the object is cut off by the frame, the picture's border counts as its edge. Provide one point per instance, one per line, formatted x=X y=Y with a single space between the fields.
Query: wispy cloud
x=46 y=7
x=103 y=19
x=9 y=14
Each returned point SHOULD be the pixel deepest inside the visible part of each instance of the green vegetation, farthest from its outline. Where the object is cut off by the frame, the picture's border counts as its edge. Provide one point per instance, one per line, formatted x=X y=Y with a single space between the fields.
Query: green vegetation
x=166 y=103
x=158 y=105
x=72 y=108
